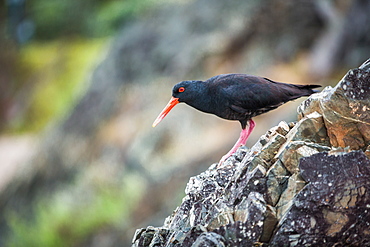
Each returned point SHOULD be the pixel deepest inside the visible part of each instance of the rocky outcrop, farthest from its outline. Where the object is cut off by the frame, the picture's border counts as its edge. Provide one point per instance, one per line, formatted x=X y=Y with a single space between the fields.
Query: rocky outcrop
x=302 y=184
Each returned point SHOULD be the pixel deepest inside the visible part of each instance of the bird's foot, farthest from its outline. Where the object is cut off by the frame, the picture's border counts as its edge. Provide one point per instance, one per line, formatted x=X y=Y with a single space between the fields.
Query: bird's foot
x=237 y=156
x=240 y=142
x=224 y=158
x=231 y=152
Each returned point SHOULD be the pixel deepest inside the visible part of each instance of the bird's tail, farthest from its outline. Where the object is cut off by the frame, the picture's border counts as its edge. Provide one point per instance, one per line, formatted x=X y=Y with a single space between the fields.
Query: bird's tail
x=295 y=91
x=308 y=89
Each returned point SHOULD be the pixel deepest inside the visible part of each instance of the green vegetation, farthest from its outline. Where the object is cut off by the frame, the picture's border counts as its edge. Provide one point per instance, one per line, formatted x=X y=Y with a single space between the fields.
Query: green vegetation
x=89 y=18
x=58 y=70
x=68 y=41
x=68 y=218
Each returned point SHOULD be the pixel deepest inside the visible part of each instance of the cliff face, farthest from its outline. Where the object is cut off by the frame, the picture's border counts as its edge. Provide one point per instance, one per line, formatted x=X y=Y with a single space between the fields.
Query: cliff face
x=304 y=183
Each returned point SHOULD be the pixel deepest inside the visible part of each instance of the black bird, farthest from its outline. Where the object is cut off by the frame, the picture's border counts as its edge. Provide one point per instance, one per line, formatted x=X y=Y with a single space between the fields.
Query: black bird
x=235 y=97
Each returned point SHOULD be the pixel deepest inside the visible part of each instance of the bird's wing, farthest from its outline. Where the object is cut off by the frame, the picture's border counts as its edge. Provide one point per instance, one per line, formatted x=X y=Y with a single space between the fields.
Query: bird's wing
x=248 y=96
x=250 y=93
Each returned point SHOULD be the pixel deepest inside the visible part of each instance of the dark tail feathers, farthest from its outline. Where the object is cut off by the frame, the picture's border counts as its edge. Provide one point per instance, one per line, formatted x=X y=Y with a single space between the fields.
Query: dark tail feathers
x=308 y=88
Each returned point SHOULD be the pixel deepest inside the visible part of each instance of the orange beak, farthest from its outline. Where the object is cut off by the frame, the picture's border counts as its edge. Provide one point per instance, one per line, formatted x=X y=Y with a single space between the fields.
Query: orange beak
x=174 y=101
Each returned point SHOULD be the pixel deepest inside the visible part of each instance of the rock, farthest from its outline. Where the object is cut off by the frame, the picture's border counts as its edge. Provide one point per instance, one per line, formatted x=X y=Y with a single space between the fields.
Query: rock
x=334 y=207
x=301 y=184
x=345 y=109
x=276 y=182
x=290 y=153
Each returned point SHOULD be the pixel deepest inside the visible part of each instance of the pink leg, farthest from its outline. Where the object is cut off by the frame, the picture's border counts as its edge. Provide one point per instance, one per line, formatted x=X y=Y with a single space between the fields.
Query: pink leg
x=241 y=141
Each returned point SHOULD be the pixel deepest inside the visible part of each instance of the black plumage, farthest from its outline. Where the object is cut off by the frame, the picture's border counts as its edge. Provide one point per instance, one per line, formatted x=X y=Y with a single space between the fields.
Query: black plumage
x=238 y=96
x=235 y=97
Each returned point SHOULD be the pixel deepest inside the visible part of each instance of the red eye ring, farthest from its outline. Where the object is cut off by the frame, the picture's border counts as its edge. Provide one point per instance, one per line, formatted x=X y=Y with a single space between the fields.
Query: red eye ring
x=181 y=89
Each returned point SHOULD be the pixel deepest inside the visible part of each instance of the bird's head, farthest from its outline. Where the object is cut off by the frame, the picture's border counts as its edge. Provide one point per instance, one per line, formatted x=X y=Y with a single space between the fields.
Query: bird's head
x=184 y=91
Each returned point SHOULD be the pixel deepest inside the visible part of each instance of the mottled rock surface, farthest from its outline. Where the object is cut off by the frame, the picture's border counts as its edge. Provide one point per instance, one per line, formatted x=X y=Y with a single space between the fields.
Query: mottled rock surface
x=345 y=109
x=302 y=184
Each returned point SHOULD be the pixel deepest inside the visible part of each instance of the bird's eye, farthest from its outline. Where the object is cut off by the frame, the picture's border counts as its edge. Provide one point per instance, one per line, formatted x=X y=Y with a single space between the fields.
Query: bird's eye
x=181 y=89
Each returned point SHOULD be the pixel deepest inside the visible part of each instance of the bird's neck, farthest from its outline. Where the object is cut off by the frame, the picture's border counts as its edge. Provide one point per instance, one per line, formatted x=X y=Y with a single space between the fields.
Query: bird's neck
x=201 y=98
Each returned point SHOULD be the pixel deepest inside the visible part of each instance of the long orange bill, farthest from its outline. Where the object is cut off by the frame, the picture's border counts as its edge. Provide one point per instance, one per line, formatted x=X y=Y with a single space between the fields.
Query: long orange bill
x=174 y=101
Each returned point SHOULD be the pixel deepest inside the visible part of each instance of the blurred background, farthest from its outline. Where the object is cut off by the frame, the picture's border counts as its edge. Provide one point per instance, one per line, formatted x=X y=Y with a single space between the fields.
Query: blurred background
x=82 y=81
